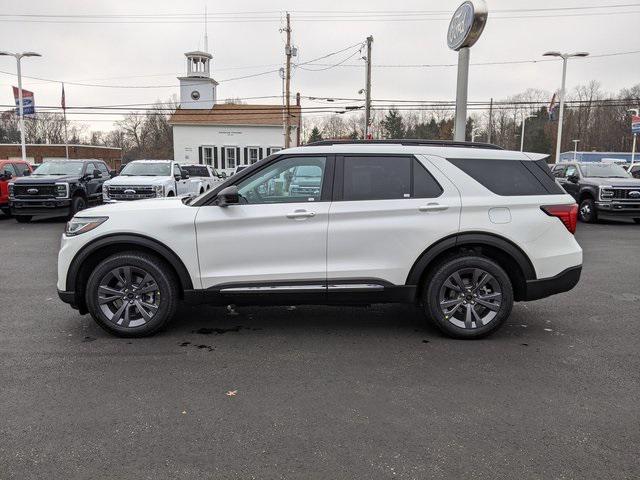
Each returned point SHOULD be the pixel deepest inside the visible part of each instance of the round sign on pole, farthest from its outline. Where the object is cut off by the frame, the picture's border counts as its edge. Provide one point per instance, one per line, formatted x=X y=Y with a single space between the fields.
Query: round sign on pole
x=467 y=24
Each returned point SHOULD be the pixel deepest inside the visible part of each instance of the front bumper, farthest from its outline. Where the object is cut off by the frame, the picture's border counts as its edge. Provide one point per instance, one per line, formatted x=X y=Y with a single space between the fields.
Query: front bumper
x=52 y=206
x=545 y=287
x=624 y=209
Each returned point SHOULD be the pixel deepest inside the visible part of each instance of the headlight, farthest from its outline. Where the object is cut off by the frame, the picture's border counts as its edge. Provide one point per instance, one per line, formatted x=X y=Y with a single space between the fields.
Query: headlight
x=62 y=190
x=11 y=189
x=159 y=189
x=606 y=193
x=76 y=226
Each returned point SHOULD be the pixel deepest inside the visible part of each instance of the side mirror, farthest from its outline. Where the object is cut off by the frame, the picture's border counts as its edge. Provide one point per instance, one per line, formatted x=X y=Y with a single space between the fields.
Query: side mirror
x=97 y=174
x=185 y=176
x=228 y=196
x=573 y=178
x=223 y=175
x=113 y=173
x=26 y=172
x=177 y=177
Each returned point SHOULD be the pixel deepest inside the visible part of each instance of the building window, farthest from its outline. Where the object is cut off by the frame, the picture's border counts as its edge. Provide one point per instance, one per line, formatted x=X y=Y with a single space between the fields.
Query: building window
x=254 y=155
x=230 y=154
x=273 y=150
x=207 y=156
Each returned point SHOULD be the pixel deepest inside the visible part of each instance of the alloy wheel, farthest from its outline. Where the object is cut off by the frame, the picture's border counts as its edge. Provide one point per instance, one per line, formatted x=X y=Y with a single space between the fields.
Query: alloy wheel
x=470 y=298
x=128 y=296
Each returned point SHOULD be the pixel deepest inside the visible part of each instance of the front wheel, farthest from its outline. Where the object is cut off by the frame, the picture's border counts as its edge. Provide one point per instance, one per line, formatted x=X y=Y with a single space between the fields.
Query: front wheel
x=132 y=294
x=587 y=212
x=468 y=297
x=77 y=204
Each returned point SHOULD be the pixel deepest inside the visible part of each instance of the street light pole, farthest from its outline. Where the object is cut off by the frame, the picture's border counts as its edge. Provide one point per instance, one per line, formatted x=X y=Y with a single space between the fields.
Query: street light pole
x=524 y=119
x=18 y=57
x=565 y=57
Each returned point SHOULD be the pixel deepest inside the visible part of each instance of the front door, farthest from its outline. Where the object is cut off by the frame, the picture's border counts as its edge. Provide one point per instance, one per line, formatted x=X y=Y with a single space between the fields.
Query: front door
x=275 y=238
x=182 y=185
x=387 y=210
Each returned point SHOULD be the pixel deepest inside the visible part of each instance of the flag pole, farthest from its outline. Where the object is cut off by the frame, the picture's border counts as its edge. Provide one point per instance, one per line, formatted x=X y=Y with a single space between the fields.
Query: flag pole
x=64 y=112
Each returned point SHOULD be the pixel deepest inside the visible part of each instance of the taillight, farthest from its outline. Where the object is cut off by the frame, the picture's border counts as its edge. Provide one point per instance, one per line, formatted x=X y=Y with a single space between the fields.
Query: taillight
x=568 y=214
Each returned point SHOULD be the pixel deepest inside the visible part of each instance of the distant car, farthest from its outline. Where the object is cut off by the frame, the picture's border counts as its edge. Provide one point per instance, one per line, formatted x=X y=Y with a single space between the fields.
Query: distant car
x=600 y=189
x=57 y=188
x=9 y=170
x=142 y=179
x=239 y=168
x=305 y=181
x=203 y=177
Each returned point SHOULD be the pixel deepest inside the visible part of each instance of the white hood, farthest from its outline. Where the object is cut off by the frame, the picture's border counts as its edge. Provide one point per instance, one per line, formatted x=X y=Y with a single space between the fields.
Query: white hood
x=138 y=180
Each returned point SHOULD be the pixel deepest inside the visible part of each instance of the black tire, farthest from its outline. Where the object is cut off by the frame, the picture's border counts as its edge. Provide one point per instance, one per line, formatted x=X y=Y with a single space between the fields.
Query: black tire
x=587 y=211
x=78 y=203
x=6 y=211
x=456 y=324
x=171 y=194
x=637 y=220
x=23 y=218
x=164 y=297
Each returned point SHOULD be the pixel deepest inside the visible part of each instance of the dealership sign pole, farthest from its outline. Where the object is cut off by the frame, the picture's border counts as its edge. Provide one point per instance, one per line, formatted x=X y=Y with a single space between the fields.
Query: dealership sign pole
x=465 y=28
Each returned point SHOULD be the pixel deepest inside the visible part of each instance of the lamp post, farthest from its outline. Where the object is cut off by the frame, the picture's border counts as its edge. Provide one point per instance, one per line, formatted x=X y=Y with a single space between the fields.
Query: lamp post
x=524 y=118
x=575 y=149
x=18 y=57
x=565 y=57
x=635 y=111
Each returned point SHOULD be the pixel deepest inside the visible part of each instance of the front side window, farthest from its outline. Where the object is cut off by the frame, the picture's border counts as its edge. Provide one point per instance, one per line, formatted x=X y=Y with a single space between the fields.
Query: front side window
x=9 y=168
x=103 y=169
x=230 y=153
x=146 y=169
x=63 y=167
x=571 y=170
x=290 y=180
x=176 y=170
x=196 y=170
x=559 y=170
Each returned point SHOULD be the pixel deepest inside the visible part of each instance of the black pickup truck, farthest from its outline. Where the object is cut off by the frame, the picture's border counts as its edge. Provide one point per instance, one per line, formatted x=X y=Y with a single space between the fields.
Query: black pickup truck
x=600 y=189
x=57 y=188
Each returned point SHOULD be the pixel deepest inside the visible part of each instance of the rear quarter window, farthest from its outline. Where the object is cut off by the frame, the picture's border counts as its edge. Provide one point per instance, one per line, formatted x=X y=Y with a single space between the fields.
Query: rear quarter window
x=510 y=177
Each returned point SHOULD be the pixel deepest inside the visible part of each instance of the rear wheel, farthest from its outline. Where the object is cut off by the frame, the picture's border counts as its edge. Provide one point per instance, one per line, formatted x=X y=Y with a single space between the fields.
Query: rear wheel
x=132 y=294
x=587 y=212
x=468 y=296
x=23 y=218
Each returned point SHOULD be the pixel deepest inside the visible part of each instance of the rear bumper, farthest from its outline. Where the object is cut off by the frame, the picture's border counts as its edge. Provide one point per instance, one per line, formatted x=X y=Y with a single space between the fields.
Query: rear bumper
x=622 y=209
x=545 y=287
x=41 y=207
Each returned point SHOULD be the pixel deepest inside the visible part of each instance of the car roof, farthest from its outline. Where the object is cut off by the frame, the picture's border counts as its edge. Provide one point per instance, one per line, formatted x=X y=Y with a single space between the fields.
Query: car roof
x=397 y=148
x=149 y=161
x=62 y=160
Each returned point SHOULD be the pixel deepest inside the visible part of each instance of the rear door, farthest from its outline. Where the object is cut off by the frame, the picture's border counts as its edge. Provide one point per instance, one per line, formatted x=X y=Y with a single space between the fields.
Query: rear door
x=387 y=210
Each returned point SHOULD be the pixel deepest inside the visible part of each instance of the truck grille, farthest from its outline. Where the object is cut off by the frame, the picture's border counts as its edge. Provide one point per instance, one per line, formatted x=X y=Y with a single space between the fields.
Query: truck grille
x=131 y=192
x=626 y=193
x=34 y=191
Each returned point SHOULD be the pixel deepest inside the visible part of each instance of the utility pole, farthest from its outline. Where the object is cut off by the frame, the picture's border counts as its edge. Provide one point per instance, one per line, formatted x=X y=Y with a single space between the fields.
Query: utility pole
x=367 y=100
x=287 y=85
x=490 y=120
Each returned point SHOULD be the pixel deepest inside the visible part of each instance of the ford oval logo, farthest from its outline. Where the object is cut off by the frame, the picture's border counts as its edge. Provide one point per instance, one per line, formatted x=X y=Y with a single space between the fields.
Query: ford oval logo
x=634 y=193
x=130 y=191
x=460 y=25
x=32 y=191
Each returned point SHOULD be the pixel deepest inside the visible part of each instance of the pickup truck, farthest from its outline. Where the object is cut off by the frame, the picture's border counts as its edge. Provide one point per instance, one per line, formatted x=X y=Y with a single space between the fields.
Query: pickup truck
x=58 y=188
x=9 y=170
x=141 y=179
x=204 y=177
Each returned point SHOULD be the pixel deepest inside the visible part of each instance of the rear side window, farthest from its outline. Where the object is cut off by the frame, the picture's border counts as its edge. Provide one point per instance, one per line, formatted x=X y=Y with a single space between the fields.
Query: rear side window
x=387 y=178
x=509 y=177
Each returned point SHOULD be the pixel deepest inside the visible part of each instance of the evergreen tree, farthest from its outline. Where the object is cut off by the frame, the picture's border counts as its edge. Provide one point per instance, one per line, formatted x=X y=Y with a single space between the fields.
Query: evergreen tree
x=393 y=125
x=315 y=135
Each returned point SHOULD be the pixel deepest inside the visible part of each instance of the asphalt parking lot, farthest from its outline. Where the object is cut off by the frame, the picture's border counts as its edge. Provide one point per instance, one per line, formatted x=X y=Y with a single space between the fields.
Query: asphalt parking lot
x=321 y=392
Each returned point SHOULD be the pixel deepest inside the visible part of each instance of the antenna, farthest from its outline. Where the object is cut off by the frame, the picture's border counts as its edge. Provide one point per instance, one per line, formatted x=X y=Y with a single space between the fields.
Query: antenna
x=206 y=35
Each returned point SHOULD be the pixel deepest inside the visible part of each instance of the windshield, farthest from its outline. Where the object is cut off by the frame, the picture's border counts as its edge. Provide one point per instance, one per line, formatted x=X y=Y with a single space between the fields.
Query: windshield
x=603 y=170
x=60 y=168
x=196 y=170
x=147 y=169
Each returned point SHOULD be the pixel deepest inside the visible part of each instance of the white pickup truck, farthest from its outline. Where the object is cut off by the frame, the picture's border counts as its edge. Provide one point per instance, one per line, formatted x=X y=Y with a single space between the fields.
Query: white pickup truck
x=149 y=179
x=204 y=177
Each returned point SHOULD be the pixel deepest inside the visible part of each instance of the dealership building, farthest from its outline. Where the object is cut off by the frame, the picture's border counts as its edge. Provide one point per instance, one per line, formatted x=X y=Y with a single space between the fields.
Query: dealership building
x=224 y=135
x=40 y=152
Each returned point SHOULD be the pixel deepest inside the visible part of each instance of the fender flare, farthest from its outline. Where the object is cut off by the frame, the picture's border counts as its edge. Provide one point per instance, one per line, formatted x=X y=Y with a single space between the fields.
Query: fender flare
x=470 y=238
x=130 y=239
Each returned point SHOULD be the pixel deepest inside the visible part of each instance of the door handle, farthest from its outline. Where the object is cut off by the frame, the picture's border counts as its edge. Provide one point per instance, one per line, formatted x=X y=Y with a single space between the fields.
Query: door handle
x=433 y=207
x=301 y=214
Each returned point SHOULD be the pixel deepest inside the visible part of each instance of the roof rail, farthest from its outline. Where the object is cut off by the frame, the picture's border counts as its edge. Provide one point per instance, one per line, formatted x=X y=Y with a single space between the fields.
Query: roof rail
x=407 y=142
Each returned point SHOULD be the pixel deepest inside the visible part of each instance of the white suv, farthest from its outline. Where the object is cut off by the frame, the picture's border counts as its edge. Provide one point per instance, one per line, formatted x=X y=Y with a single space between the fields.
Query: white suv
x=462 y=229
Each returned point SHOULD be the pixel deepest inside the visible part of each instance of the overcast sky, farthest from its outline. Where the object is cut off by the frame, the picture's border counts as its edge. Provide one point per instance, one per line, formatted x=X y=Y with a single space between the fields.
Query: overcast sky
x=151 y=53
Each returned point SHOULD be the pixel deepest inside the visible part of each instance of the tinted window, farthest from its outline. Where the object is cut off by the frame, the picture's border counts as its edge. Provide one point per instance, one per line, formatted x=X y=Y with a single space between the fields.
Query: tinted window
x=571 y=170
x=377 y=178
x=8 y=167
x=278 y=183
x=506 y=177
x=558 y=171
x=424 y=185
x=196 y=170
x=103 y=169
x=20 y=168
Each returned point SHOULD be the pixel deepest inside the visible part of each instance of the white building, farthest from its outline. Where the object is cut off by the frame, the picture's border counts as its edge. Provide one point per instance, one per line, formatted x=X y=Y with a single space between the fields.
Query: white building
x=224 y=135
